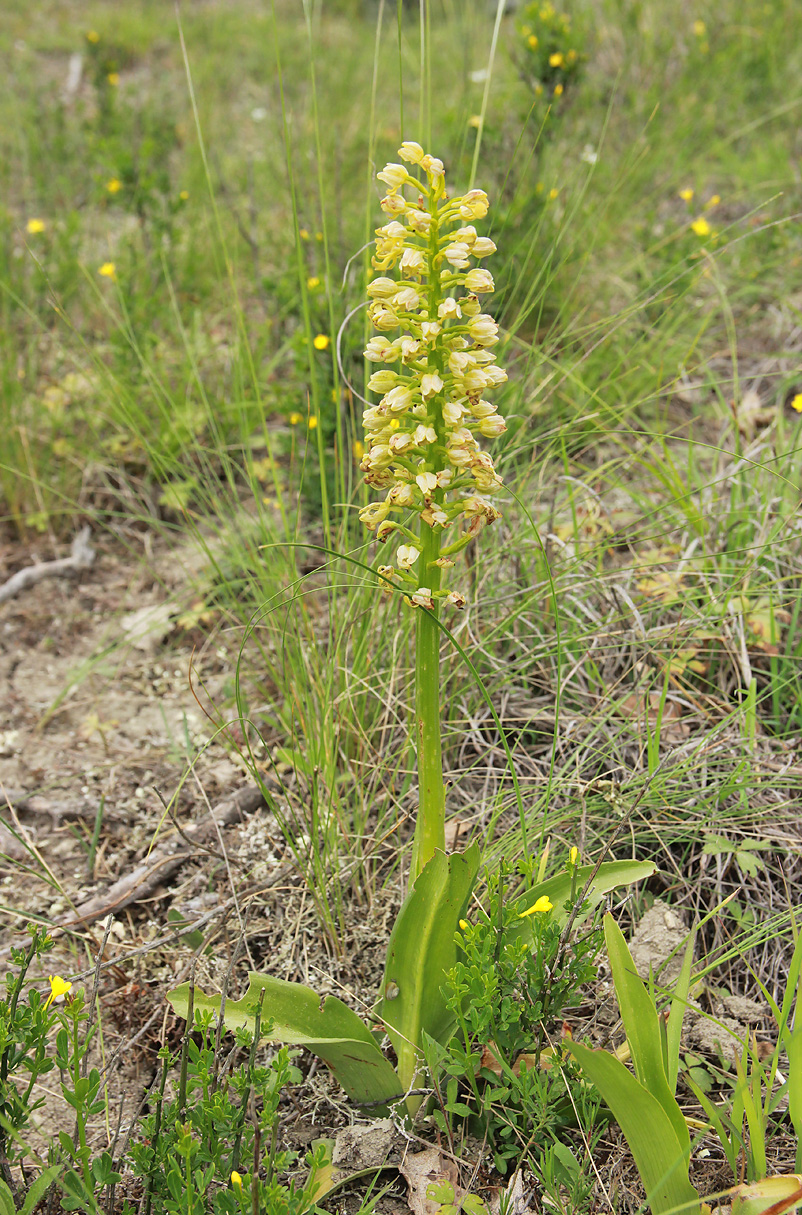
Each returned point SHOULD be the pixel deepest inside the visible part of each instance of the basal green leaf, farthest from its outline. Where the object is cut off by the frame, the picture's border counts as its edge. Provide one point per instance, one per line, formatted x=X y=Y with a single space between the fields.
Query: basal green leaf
x=661 y=1159
x=611 y=875
x=420 y=950
x=328 y=1028
x=642 y=1029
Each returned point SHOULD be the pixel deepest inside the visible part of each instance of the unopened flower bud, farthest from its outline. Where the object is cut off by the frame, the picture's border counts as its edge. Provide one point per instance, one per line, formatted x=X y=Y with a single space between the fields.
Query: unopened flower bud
x=382 y=381
x=393 y=204
x=479 y=282
x=482 y=247
x=394 y=176
x=382 y=288
x=411 y=152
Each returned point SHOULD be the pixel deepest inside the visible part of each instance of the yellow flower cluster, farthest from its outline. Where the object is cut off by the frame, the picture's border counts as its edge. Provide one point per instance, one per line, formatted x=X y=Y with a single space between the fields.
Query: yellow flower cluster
x=422 y=438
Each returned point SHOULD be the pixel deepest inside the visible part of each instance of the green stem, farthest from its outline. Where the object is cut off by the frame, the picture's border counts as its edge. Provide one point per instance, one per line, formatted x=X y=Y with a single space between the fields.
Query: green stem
x=430 y=829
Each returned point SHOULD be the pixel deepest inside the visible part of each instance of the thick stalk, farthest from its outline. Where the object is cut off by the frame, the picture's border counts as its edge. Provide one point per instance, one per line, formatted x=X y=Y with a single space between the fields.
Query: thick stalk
x=430 y=829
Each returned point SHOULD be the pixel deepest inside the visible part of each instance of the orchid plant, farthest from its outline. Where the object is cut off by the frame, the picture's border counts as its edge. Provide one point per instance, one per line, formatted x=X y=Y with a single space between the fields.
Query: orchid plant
x=423 y=451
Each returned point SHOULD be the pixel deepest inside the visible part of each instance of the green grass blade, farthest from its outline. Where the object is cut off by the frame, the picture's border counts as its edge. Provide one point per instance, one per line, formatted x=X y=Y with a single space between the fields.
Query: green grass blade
x=676 y=1016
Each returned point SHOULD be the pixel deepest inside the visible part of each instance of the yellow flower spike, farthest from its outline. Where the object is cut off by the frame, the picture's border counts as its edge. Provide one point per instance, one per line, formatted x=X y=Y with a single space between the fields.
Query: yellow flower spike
x=236 y=1180
x=573 y=855
x=108 y=270
x=184 y=195
x=712 y=201
x=541 y=907
x=295 y=418
x=359 y=448
x=475 y=121
x=34 y=226
x=92 y=36
x=303 y=233
x=113 y=79
x=558 y=90
x=701 y=227
x=532 y=41
x=796 y=403
x=312 y=282
x=554 y=192
x=114 y=185
x=312 y=423
x=58 y=989
x=699 y=29
x=557 y=59
x=321 y=342
x=464 y=924
x=687 y=194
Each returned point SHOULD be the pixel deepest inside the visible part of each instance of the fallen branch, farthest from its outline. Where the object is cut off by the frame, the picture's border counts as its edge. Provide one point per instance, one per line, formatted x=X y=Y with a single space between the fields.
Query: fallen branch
x=165 y=860
x=81 y=557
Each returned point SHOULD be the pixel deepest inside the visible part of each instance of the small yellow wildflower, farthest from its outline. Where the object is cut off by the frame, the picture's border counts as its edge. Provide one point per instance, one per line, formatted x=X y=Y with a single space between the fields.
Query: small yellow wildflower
x=701 y=227
x=236 y=1180
x=573 y=855
x=538 y=90
x=687 y=194
x=58 y=989
x=699 y=28
x=321 y=342
x=34 y=226
x=304 y=233
x=108 y=270
x=557 y=59
x=113 y=79
x=464 y=924
x=312 y=423
x=541 y=907
x=475 y=121
x=184 y=195
x=92 y=36
x=571 y=57
x=796 y=403
x=712 y=201
x=295 y=418
x=114 y=185
x=532 y=41
x=312 y=282
x=554 y=193
x=318 y=236
x=558 y=90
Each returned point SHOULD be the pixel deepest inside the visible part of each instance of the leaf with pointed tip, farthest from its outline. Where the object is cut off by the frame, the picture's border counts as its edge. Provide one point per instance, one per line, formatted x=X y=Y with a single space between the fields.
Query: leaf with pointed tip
x=326 y=1027
x=661 y=1159
x=611 y=875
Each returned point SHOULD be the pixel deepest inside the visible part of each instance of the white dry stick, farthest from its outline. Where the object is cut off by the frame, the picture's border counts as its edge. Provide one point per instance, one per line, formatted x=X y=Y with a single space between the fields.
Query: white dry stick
x=81 y=557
